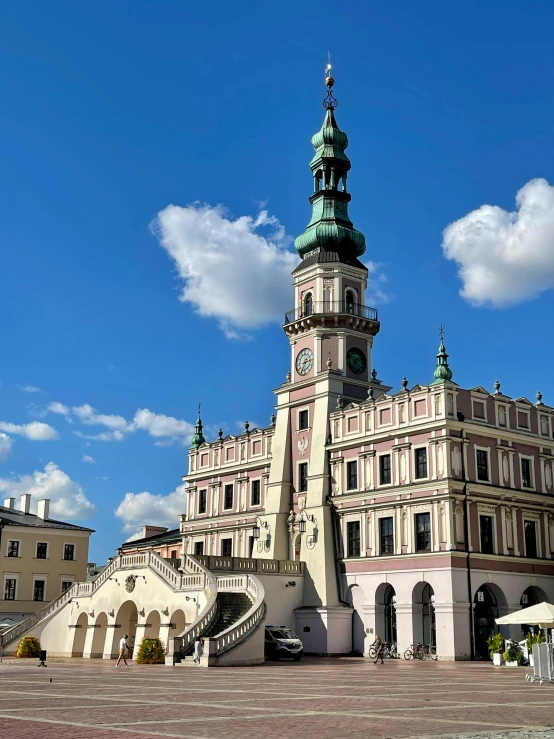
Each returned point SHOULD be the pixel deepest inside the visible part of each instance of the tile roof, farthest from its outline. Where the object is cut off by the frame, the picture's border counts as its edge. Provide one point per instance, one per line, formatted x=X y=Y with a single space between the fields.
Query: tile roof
x=11 y=517
x=169 y=537
x=328 y=257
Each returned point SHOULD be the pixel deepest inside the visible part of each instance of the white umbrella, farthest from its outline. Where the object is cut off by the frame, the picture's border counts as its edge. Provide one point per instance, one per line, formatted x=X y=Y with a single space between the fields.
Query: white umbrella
x=541 y=614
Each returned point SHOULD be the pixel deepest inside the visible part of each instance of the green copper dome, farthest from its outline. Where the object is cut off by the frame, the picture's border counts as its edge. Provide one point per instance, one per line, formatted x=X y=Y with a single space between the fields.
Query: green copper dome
x=330 y=228
x=442 y=372
x=198 y=438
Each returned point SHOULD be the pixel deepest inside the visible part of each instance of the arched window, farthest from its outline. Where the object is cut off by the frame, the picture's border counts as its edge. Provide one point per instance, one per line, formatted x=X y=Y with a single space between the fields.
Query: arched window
x=308 y=304
x=350 y=301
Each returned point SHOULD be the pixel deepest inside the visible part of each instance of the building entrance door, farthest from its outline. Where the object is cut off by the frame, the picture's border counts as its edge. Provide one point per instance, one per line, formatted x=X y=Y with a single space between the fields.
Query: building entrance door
x=485 y=615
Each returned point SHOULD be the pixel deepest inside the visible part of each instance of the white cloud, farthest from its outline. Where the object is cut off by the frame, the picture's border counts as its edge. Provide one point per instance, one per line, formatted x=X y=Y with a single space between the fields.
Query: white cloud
x=102 y=436
x=5 y=447
x=505 y=257
x=137 y=509
x=28 y=389
x=67 y=496
x=35 y=430
x=87 y=415
x=158 y=425
x=231 y=271
x=88 y=459
x=376 y=282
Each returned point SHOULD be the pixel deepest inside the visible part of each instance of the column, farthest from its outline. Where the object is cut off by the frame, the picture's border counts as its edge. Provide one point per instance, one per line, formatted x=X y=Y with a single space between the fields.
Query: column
x=164 y=634
x=504 y=530
x=449 y=524
x=435 y=540
x=87 y=648
x=139 y=635
x=404 y=626
x=515 y=513
x=452 y=631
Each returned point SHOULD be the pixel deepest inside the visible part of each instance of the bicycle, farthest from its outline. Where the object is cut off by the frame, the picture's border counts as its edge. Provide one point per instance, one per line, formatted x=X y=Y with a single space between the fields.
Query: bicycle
x=421 y=652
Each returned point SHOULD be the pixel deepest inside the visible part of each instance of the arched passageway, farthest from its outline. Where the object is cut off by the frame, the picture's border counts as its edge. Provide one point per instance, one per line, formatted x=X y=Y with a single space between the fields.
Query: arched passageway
x=80 y=635
x=153 y=621
x=126 y=620
x=485 y=612
x=423 y=614
x=385 y=612
x=178 y=623
x=99 y=638
x=531 y=596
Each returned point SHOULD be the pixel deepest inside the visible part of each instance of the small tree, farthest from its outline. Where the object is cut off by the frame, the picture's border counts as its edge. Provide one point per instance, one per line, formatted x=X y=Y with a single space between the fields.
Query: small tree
x=495 y=644
x=29 y=646
x=151 y=652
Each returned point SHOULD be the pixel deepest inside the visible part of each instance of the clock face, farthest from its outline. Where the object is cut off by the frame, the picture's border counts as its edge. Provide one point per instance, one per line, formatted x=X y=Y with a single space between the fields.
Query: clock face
x=304 y=361
x=356 y=360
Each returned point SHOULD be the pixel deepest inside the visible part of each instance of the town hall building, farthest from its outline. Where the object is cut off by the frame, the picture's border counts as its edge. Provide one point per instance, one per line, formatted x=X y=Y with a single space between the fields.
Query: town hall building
x=421 y=514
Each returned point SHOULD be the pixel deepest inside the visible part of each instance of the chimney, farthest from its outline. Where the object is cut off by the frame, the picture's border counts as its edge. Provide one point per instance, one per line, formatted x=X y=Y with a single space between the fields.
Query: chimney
x=25 y=503
x=9 y=503
x=153 y=530
x=43 y=509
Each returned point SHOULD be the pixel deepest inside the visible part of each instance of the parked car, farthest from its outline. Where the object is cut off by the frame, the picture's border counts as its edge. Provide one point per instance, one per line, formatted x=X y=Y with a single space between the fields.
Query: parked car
x=280 y=641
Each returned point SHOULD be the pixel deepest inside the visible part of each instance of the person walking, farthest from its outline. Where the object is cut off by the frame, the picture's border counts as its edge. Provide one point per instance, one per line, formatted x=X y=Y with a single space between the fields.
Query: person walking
x=378 y=644
x=123 y=647
x=198 y=642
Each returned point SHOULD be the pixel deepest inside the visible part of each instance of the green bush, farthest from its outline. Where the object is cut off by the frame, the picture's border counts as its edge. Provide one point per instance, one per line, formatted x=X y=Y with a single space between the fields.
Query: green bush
x=514 y=653
x=495 y=644
x=151 y=652
x=29 y=646
x=533 y=639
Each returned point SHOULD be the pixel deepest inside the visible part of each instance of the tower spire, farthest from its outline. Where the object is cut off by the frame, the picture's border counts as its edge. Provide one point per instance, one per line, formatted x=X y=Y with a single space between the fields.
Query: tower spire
x=442 y=372
x=330 y=228
x=198 y=438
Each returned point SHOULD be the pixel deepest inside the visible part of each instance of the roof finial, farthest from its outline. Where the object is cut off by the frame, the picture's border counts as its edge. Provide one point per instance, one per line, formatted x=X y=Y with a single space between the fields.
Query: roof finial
x=329 y=101
x=442 y=373
x=198 y=437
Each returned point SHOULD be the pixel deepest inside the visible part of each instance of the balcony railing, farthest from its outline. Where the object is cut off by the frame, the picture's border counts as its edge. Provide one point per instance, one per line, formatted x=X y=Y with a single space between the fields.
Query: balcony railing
x=332 y=307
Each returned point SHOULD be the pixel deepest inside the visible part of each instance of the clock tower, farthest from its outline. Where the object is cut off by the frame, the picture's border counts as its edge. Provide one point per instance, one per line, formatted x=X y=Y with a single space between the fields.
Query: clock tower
x=331 y=333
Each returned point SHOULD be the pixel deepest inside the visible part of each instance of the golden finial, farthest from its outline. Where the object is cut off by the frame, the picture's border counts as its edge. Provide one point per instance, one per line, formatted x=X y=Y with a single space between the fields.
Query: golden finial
x=329 y=79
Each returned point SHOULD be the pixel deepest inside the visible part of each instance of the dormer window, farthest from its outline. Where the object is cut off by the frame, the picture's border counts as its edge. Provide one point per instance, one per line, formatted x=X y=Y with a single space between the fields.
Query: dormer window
x=308 y=304
x=502 y=415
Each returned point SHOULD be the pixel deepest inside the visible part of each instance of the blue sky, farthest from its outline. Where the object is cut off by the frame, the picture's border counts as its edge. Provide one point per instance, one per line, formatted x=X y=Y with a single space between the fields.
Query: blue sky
x=123 y=319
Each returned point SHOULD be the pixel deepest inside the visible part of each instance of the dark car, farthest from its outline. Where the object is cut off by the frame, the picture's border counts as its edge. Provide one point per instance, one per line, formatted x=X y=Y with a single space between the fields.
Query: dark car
x=280 y=641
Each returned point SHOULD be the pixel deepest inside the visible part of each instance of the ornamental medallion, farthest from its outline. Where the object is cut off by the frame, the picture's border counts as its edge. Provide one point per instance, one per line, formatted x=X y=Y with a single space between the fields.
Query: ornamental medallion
x=130 y=583
x=303 y=444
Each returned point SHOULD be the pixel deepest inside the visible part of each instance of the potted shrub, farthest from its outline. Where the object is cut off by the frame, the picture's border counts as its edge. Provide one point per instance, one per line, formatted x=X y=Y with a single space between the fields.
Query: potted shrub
x=151 y=652
x=513 y=655
x=530 y=640
x=495 y=643
x=29 y=646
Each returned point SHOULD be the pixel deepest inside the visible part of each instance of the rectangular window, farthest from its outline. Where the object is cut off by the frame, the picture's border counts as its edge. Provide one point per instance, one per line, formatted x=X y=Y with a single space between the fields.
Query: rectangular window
x=10 y=584
x=386 y=531
x=174 y=554
x=199 y=547
x=353 y=538
x=384 y=469
x=526 y=474
x=69 y=551
x=255 y=495
x=486 y=533
x=42 y=550
x=482 y=465
x=303 y=475
x=39 y=590
x=66 y=584
x=13 y=549
x=226 y=547
x=530 y=538
x=228 y=497
x=302 y=420
x=202 y=501
x=423 y=532
x=420 y=463
x=352 y=476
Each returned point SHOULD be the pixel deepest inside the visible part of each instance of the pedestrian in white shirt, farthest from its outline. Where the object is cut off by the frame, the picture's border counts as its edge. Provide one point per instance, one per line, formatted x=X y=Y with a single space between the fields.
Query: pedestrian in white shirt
x=123 y=647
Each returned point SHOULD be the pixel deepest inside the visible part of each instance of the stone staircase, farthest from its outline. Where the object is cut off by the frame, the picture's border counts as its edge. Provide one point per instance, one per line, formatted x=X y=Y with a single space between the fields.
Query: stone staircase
x=230 y=608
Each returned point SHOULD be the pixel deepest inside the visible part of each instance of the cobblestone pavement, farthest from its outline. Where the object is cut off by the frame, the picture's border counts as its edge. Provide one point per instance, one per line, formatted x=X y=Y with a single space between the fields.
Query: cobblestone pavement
x=312 y=699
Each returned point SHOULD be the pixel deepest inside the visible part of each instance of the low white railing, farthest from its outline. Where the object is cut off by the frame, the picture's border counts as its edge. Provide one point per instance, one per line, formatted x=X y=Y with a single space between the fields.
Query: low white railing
x=182 y=642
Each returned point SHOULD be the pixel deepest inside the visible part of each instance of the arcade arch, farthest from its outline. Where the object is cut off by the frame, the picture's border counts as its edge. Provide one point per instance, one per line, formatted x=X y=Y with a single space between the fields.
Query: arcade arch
x=99 y=638
x=485 y=612
x=178 y=623
x=385 y=612
x=423 y=614
x=152 y=629
x=80 y=635
x=126 y=620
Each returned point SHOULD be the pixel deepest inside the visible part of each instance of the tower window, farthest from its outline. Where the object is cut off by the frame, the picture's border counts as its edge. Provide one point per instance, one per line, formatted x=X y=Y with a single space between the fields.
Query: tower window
x=303 y=477
x=308 y=305
x=202 y=500
x=303 y=420
x=384 y=470
x=349 y=302
x=353 y=538
x=352 y=475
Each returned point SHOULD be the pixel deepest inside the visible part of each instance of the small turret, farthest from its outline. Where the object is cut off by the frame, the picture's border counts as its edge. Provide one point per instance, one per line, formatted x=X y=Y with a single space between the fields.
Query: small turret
x=198 y=438
x=442 y=372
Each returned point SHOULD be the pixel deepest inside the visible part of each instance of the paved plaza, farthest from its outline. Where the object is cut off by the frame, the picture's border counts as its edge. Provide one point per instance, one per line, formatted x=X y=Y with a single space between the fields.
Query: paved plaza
x=316 y=698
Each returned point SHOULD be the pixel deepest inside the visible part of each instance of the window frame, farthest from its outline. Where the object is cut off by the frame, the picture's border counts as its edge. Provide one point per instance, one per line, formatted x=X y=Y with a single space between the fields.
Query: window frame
x=221 y=544
x=353 y=543
x=10 y=576
x=204 y=499
x=531 y=461
x=536 y=529
x=479 y=419
x=351 y=464
x=43 y=579
x=380 y=470
x=488 y=458
x=299 y=417
x=528 y=415
x=417 y=533
x=13 y=556
x=69 y=544
x=228 y=488
x=388 y=537
x=198 y=544
x=492 y=519
x=257 y=482
x=47 y=544
x=416 y=463
x=303 y=479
